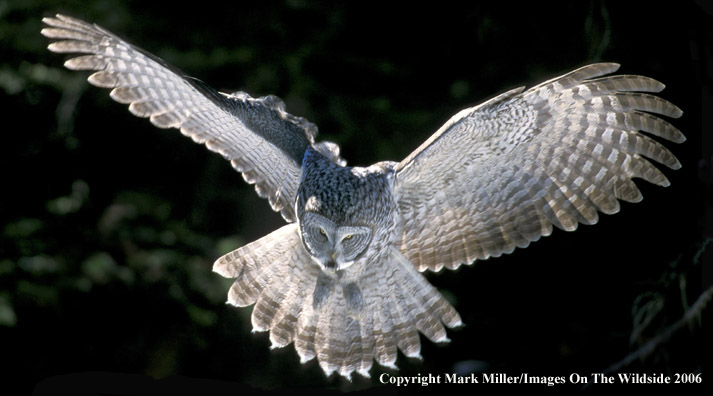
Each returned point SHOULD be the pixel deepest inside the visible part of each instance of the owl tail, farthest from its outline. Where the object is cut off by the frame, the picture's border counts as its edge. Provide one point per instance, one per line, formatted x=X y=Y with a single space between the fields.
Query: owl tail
x=274 y=273
x=278 y=276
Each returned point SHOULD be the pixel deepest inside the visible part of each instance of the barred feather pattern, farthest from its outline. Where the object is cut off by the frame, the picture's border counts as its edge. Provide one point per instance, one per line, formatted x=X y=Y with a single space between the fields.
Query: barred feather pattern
x=259 y=138
x=277 y=275
x=497 y=176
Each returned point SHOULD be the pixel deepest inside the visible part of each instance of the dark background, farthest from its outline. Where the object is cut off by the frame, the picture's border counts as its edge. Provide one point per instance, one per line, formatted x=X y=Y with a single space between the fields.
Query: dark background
x=109 y=226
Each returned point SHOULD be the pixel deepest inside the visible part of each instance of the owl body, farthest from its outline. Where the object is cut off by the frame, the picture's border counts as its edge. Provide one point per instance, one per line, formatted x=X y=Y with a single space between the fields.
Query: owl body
x=341 y=280
x=347 y=218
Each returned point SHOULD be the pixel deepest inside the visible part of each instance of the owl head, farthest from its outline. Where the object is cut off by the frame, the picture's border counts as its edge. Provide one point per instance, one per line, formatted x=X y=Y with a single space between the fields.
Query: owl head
x=336 y=211
x=333 y=246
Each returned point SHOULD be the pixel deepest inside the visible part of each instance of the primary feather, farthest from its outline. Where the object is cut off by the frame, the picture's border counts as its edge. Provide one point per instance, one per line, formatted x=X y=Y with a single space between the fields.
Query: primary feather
x=258 y=137
x=498 y=175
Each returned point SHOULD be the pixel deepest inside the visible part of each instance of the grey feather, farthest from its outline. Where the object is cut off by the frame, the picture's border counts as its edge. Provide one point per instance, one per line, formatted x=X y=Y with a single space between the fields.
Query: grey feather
x=498 y=175
x=342 y=281
x=236 y=125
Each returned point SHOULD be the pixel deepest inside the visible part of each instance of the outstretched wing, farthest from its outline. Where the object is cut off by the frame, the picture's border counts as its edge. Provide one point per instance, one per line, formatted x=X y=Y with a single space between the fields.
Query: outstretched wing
x=499 y=175
x=277 y=275
x=257 y=136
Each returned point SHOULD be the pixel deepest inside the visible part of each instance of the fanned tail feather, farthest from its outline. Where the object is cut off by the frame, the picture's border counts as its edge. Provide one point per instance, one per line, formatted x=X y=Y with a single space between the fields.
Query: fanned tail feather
x=277 y=275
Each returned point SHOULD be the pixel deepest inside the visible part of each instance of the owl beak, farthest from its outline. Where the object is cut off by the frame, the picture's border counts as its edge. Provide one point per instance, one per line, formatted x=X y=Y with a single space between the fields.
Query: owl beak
x=332 y=263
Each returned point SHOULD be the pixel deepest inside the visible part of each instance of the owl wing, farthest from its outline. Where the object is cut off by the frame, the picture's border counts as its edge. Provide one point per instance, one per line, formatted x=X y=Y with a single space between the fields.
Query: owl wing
x=259 y=138
x=277 y=275
x=499 y=175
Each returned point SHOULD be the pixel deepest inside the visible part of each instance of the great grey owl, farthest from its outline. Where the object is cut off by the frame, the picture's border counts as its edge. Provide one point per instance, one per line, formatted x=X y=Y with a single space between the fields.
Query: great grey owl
x=342 y=279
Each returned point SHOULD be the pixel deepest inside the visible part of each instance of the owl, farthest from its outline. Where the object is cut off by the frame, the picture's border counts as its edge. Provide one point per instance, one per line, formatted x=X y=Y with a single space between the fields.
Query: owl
x=342 y=280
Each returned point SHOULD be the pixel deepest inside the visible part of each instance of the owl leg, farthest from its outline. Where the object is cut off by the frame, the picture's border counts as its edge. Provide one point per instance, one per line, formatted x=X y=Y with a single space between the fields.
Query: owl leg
x=322 y=290
x=354 y=300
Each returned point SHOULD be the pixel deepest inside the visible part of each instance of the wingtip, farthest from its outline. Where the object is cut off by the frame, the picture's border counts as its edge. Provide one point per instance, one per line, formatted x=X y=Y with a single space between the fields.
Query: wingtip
x=604 y=67
x=59 y=19
x=47 y=32
x=613 y=66
x=677 y=112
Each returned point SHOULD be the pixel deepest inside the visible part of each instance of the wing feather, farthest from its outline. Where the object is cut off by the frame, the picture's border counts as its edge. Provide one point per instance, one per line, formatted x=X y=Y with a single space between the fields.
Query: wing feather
x=258 y=136
x=497 y=176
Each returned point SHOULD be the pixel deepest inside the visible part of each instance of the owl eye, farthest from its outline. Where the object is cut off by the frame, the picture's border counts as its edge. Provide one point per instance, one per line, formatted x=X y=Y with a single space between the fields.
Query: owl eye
x=321 y=236
x=348 y=237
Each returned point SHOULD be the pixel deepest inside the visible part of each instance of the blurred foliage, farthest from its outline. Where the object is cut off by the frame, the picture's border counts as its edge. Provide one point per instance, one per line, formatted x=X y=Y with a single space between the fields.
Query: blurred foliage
x=109 y=226
x=671 y=311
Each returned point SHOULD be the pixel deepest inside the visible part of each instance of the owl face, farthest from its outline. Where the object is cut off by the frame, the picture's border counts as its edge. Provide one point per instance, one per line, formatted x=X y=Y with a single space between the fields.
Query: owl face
x=333 y=246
